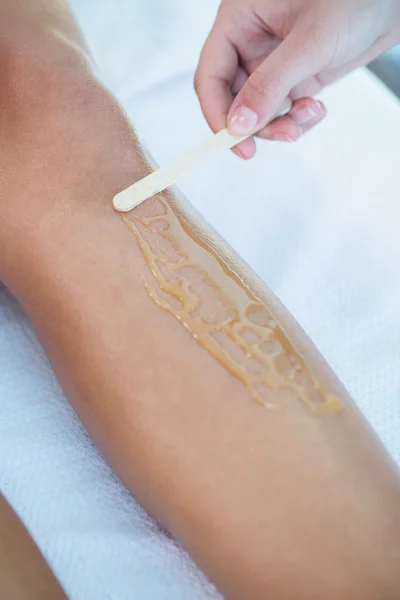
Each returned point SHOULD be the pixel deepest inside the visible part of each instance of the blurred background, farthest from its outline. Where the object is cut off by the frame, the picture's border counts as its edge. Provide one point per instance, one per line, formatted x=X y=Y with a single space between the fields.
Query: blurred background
x=387 y=68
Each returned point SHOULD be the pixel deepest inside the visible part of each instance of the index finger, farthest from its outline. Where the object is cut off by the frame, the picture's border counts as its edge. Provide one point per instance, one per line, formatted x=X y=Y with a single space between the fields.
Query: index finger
x=214 y=78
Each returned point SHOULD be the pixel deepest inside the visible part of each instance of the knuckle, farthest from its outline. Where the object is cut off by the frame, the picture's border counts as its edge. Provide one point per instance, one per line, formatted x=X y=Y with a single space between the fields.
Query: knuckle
x=258 y=84
x=262 y=87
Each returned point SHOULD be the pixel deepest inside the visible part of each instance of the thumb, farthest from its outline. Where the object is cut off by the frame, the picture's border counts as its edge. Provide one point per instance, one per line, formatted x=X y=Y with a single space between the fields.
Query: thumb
x=296 y=58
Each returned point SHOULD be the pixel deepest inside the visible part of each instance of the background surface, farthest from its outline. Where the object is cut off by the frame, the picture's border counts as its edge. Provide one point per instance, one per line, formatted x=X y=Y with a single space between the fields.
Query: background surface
x=318 y=220
x=387 y=68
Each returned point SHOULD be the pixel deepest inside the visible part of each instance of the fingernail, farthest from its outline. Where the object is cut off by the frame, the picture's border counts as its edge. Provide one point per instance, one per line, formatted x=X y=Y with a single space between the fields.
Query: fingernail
x=281 y=137
x=243 y=121
x=238 y=152
x=305 y=115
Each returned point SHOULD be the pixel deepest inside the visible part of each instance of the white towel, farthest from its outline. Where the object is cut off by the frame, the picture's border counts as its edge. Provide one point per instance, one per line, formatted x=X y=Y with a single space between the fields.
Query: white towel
x=318 y=220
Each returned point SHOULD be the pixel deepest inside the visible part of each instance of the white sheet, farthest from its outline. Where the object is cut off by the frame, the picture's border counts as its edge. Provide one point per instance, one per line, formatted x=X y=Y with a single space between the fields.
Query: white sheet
x=320 y=225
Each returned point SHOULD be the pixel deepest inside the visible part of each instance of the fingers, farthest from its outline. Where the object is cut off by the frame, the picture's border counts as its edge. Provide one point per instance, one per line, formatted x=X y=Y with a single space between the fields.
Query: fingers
x=239 y=81
x=217 y=81
x=307 y=89
x=246 y=149
x=215 y=77
x=304 y=115
x=220 y=76
x=285 y=129
x=306 y=127
x=267 y=86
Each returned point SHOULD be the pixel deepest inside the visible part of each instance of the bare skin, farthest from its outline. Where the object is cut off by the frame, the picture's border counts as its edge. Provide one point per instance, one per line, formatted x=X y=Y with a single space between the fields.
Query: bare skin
x=287 y=503
x=24 y=574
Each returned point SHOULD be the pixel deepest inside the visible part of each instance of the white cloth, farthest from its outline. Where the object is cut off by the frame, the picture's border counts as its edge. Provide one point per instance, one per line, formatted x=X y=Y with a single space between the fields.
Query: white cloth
x=318 y=220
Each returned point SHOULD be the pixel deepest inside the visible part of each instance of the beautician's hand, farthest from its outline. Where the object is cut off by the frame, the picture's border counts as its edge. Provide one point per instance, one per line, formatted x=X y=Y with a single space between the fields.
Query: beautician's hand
x=264 y=50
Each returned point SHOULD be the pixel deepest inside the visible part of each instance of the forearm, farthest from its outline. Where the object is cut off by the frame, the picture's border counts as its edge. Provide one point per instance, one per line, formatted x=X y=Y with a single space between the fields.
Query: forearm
x=187 y=435
x=23 y=24
x=24 y=574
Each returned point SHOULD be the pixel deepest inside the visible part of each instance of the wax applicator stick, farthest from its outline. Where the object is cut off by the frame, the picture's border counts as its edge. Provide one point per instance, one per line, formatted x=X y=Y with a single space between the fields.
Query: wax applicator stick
x=165 y=176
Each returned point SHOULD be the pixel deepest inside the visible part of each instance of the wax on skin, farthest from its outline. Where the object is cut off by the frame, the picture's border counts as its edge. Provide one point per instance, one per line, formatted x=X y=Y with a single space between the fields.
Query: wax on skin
x=222 y=314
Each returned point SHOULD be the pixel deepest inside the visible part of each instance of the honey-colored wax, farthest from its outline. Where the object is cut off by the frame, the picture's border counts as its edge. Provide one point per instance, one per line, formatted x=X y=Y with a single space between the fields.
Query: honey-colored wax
x=222 y=314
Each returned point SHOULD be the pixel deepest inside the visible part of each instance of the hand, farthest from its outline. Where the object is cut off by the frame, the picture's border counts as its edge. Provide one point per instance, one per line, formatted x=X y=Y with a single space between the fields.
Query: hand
x=260 y=51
